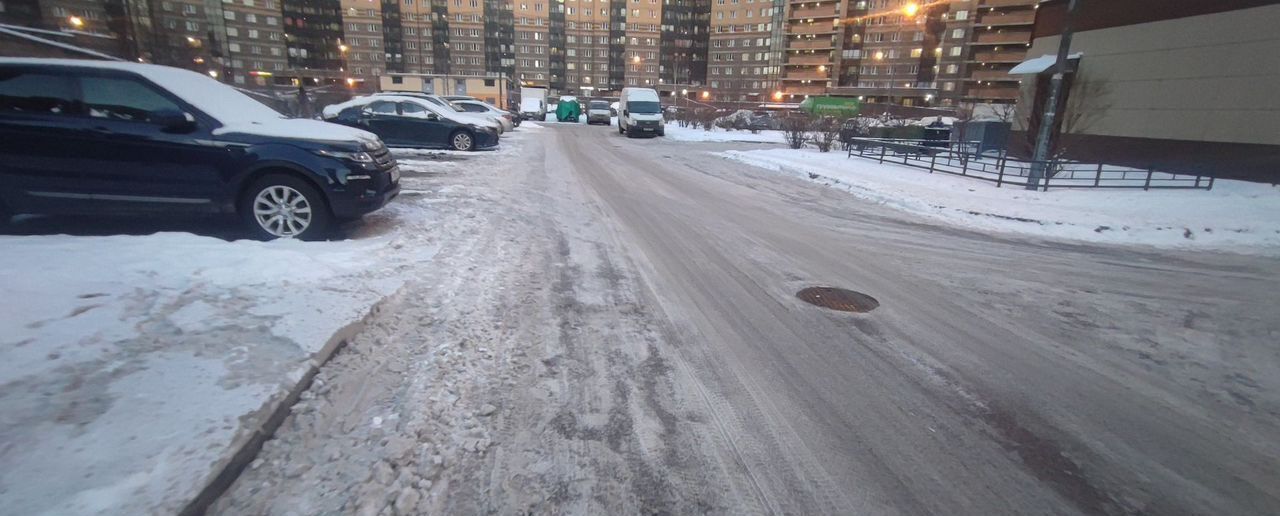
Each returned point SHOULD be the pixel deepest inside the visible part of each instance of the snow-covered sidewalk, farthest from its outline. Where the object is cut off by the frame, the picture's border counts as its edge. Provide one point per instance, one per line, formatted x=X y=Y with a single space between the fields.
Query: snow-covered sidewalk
x=135 y=367
x=1235 y=216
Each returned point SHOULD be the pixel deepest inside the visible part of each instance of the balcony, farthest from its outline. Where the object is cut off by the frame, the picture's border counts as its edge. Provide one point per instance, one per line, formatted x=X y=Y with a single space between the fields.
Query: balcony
x=993 y=75
x=809 y=59
x=804 y=13
x=1009 y=3
x=1003 y=38
x=1003 y=56
x=805 y=90
x=1005 y=19
x=813 y=28
x=794 y=75
x=812 y=44
x=993 y=93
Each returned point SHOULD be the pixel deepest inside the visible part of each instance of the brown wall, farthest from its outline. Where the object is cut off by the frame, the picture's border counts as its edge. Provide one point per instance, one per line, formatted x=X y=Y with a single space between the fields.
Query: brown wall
x=1102 y=14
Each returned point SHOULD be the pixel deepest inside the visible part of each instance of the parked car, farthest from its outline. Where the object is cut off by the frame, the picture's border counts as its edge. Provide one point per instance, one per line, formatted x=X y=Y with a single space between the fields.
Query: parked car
x=413 y=122
x=641 y=112
x=108 y=137
x=475 y=106
x=447 y=107
x=533 y=109
x=598 y=112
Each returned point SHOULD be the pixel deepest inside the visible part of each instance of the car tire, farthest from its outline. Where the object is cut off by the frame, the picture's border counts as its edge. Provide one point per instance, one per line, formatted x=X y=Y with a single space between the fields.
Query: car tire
x=261 y=207
x=462 y=141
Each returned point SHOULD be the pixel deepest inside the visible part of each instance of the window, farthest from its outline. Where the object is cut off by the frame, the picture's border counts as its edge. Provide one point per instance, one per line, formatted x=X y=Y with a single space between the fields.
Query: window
x=253 y=33
x=413 y=110
x=917 y=52
x=122 y=99
x=949 y=86
x=35 y=93
x=955 y=51
x=234 y=47
x=957 y=34
x=381 y=108
x=251 y=18
x=230 y=15
x=962 y=15
x=951 y=68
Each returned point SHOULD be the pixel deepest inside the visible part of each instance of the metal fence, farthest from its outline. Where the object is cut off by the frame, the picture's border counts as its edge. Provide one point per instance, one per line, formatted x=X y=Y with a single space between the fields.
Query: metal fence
x=963 y=159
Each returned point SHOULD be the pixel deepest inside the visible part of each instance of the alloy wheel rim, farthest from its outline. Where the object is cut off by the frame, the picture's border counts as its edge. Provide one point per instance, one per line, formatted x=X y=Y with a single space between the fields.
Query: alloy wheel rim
x=282 y=211
x=462 y=141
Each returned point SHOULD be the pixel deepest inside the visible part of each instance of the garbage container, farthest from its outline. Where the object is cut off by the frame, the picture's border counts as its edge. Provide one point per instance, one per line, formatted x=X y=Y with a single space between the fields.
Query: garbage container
x=937 y=134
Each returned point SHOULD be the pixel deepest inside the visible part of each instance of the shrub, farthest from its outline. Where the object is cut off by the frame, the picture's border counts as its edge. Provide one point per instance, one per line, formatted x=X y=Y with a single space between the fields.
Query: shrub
x=796 y=130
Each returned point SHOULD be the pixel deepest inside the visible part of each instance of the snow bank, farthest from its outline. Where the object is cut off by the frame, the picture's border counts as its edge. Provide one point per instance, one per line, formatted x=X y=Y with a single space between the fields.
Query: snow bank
x=691 y=134
x=1235 y=216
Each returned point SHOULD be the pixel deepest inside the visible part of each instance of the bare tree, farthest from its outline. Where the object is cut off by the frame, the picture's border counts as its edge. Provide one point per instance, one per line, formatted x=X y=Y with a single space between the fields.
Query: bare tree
x=1004 y=112
x=825 y=132
x=1086 y=103
x=795 y=128
x=964 y=114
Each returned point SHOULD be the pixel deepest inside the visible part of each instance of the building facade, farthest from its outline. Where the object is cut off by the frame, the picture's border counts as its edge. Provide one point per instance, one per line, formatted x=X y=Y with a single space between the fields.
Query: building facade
x=1176 y=85
x=717 y=51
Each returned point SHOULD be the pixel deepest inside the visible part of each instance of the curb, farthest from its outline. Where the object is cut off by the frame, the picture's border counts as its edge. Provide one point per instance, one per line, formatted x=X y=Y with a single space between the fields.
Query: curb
x=251 y=442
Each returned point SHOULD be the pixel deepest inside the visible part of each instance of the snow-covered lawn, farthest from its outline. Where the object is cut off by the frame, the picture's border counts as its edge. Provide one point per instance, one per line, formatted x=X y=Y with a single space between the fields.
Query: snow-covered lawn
x=1234 y=216
x=135 y=366
x=691 y=134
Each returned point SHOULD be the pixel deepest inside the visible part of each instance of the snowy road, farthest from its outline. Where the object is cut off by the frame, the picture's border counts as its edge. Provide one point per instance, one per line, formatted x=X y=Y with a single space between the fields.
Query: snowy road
x=611 y=326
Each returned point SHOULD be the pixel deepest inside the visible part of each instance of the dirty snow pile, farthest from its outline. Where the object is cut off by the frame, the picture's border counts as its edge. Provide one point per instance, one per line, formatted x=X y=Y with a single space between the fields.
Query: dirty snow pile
x=1234 y=216
x=133 y=366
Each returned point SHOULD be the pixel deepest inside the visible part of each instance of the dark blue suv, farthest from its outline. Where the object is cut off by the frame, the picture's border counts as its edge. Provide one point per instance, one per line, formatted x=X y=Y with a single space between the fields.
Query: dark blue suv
x=98 y=136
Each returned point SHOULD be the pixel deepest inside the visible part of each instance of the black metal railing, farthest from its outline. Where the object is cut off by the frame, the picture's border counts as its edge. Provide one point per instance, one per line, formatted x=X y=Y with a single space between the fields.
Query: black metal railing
x=963 y=159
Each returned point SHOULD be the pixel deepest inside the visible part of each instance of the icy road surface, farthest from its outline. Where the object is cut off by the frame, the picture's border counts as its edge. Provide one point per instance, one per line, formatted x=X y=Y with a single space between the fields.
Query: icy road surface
x=611 y=328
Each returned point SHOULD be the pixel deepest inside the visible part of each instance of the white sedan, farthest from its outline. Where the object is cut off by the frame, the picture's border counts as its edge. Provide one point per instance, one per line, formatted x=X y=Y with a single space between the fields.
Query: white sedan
x=475 y=106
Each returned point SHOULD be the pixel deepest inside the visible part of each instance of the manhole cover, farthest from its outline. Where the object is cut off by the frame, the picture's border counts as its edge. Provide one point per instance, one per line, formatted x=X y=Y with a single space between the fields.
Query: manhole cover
x=838 y=299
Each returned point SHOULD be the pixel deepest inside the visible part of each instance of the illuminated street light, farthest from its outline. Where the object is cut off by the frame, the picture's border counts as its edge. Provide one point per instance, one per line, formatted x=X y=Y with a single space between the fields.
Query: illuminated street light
x=342 y=48
x=910 y=10
x=879 y=56
x=635 y=59
x=76 y=21
x=706 y=94
x=777 y=95
x=685 y=92
x=351 y=83
x=213 y=73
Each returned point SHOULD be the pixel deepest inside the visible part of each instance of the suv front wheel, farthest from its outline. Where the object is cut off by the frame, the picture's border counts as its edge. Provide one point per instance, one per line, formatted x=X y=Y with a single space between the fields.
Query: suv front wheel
x=284 y=206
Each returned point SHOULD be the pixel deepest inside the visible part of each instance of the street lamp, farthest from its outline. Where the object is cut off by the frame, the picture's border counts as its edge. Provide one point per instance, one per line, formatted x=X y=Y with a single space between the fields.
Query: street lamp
x=76 y=21
x=910 y=10
x=879 y=56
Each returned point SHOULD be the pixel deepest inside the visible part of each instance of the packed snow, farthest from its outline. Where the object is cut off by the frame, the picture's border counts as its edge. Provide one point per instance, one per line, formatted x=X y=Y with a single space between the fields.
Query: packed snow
x=135 y=366
x=1234 y=216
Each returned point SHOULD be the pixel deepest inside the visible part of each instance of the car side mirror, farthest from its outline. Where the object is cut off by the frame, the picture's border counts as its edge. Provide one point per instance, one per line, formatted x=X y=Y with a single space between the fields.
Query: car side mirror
x=174 y=121
x=432 y=116
x=624 y=112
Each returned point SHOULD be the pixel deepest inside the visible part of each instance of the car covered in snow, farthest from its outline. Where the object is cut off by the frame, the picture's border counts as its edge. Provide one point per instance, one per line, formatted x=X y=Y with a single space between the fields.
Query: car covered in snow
x=81 y=136
x=412 y=122
x=505 y=119
x=446 y=108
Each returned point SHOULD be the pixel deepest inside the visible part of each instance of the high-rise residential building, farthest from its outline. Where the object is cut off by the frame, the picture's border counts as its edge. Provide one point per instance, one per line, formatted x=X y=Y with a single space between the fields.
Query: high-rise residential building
x=254 y=41
x=731 y=52
x=362 y=49
x=746 y=39
x=983 y=40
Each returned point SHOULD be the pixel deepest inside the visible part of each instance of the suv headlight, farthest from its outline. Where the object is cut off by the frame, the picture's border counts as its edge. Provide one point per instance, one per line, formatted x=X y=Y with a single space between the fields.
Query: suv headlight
x=357 y=157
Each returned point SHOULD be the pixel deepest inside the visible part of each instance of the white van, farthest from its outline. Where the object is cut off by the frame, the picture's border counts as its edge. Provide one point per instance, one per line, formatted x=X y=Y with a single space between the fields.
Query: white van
x=640 y=112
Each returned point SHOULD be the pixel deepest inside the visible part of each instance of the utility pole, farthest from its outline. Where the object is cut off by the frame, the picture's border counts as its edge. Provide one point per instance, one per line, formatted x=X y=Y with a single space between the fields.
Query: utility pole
x=1044 y=138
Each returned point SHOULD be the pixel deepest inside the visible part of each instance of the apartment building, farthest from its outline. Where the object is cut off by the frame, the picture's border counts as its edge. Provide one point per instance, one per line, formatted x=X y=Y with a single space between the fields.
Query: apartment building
x=532 y=42
x=362 y=47
x=588 y=69
x=254 y=41
x=745 y=42
x=983 y=40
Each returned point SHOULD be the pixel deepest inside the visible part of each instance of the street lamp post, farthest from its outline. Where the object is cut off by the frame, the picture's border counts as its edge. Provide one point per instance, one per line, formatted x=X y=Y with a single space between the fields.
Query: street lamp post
x=1044 y=137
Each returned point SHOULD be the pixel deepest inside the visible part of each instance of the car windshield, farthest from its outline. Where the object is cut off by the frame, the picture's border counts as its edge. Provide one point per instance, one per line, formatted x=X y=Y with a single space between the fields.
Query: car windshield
x=599 y=104
x=643 y=107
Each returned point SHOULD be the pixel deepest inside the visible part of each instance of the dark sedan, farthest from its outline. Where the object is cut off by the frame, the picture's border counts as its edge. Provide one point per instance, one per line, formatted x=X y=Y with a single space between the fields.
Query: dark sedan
x=410 y=122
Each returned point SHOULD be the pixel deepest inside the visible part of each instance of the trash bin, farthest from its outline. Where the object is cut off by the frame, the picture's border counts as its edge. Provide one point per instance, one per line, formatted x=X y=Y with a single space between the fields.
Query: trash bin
x=937 y=134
